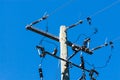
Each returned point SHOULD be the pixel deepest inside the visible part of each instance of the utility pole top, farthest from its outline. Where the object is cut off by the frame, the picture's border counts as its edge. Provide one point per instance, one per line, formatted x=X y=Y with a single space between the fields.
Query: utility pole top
x=64 y=43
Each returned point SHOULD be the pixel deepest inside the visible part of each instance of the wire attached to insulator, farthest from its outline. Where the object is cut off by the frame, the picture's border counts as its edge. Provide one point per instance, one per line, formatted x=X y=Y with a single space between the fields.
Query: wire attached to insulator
x=42 y=39
x=44 y=52
x=39 y=20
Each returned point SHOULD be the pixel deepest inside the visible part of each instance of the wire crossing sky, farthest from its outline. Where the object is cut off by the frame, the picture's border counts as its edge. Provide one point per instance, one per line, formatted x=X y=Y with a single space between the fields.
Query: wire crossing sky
x=19 y=58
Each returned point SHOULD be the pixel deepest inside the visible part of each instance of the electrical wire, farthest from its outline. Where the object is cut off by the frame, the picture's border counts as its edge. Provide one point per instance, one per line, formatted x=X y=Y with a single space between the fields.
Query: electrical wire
x=116 y=39
x=79 y=37
x=103 y=66
x=43 y=38
x=45 y=31
x=109 y=57
x=107 y=62
x=105 y=8
x=88 y=63
x=95 y=31
x=94 y=14
x=62 y=6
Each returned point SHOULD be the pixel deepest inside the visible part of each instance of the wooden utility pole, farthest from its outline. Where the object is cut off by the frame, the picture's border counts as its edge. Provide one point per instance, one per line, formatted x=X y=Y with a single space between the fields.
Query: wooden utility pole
x=63 y=53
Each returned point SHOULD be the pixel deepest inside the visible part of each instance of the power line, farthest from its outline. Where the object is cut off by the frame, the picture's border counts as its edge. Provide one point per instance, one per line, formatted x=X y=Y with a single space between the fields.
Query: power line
x=62 y=6
x=103 y=66
x=94 y=14
x=45 y=30
x=105 y=8
x=86 y=36
x=116 y=39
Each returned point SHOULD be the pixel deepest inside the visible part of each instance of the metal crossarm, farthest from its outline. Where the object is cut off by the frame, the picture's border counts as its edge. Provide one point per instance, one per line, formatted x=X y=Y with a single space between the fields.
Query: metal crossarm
x=69 y=43
x=66 y=61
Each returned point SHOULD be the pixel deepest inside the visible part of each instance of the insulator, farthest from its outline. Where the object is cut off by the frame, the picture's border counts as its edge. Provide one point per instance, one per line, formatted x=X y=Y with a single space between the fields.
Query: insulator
x=96 y=30
x=89 y=20
x=40 y=47
x=87 y=50
x=106 y=44
x=89 y=23
x=96 y=48
x=45 y=17
x=72 y=25
x=82 y=65
x=111 y=44
x=75 y=48
x=43 y=53
x=55 y=51
x=86 y=42
x=81 y=21
x=91 y=74
x=37 y=21
x=40 y=72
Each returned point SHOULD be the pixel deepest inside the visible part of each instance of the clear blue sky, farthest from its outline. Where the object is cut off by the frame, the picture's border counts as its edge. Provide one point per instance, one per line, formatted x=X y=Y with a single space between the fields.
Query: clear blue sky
x=19 y=59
